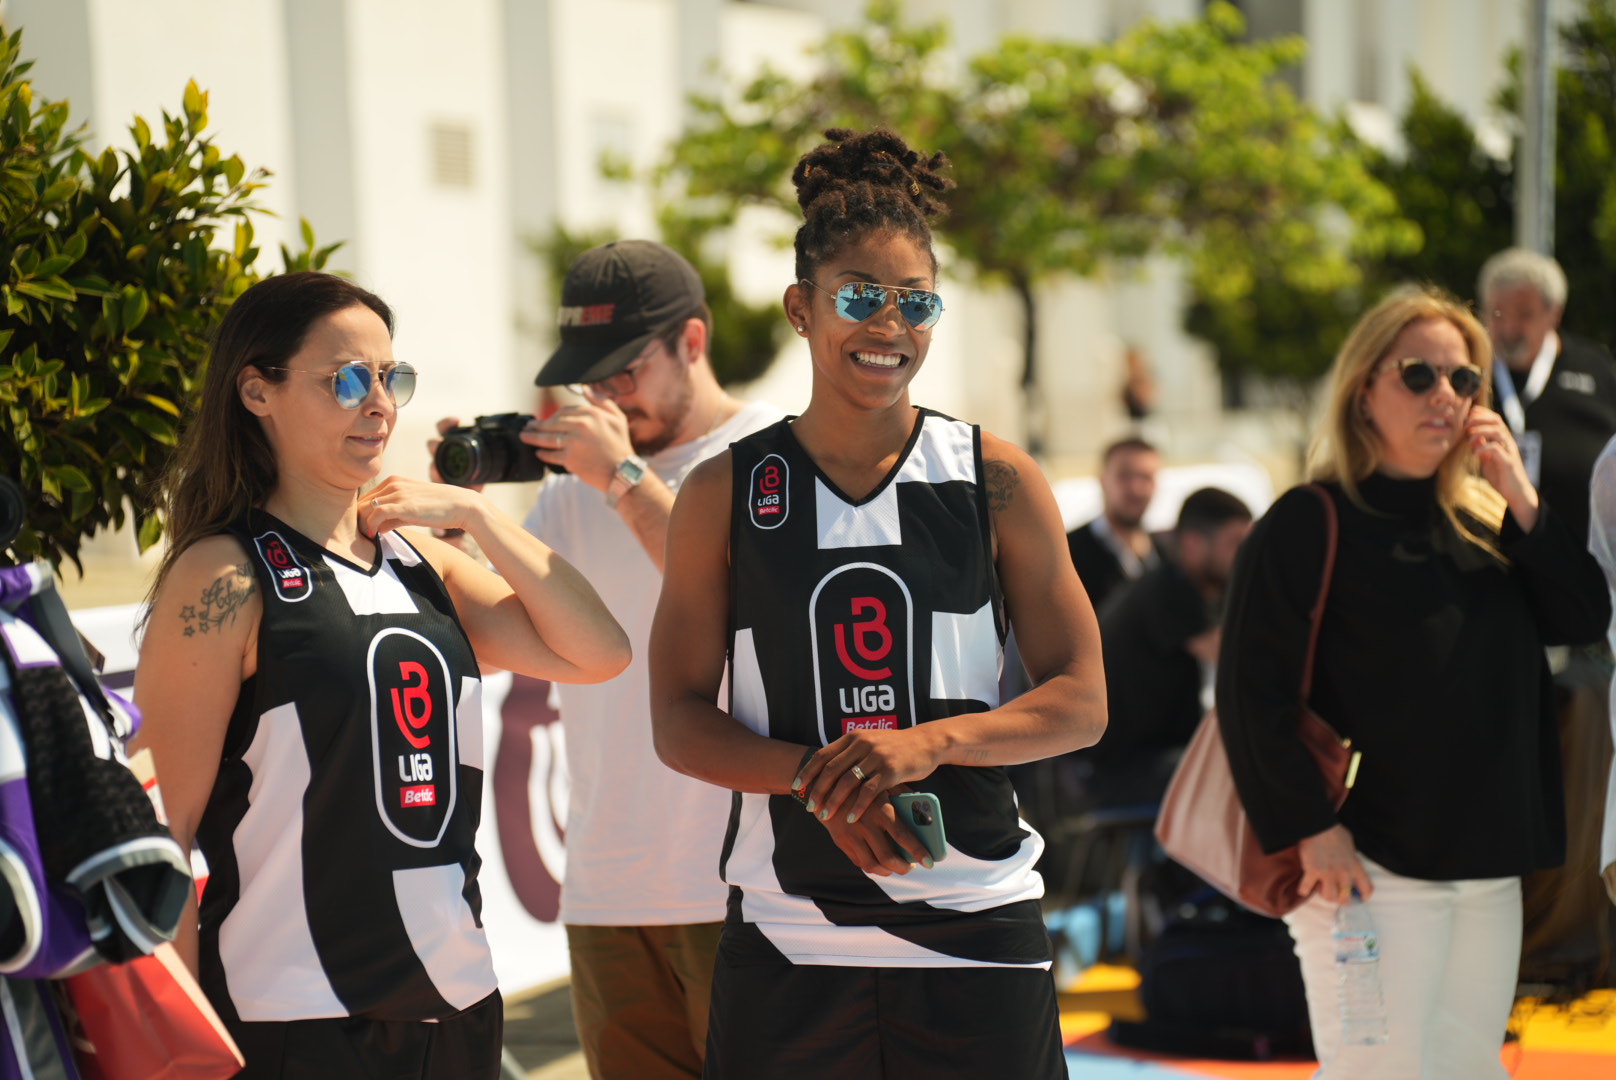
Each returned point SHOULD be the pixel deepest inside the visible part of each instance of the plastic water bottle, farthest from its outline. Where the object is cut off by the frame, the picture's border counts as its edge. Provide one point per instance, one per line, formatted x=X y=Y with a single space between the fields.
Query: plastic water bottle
x=1357 y=972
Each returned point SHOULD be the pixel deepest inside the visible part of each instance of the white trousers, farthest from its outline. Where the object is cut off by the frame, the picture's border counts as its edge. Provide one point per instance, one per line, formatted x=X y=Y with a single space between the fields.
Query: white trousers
x=1449 y=955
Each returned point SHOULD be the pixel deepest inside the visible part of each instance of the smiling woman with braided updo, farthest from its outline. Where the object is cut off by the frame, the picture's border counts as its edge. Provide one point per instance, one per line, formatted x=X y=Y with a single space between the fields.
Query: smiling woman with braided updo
x=857 y=566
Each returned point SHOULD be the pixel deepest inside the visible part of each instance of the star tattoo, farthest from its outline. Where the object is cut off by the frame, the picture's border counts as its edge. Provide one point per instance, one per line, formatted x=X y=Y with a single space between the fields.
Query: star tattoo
x=220 y=601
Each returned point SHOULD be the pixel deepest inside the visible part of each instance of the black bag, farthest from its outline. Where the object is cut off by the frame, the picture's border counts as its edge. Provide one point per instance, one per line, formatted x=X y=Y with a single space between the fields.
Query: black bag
x=1220 y=982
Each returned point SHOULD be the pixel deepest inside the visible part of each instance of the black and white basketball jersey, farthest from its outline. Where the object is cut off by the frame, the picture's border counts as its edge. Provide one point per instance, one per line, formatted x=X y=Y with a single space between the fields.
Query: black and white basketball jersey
x=883 y=612
x=339 y=831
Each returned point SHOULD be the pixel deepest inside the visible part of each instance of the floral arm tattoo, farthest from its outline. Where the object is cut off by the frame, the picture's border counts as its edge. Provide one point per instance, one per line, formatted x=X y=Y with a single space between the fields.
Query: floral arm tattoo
x=1002 y=481
x=220 y=601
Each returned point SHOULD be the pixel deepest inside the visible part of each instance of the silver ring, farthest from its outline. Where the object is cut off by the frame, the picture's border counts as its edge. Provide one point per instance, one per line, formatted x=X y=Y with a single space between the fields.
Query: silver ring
x=858 y=774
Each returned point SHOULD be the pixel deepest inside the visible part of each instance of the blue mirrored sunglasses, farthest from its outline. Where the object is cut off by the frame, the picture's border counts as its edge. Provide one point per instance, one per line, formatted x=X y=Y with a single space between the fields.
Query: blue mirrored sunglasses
x=858 y=300
x=350 y=383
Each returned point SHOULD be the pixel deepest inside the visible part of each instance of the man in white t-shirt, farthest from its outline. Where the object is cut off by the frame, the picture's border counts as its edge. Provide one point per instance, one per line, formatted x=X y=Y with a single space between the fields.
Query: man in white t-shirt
x=642 y=900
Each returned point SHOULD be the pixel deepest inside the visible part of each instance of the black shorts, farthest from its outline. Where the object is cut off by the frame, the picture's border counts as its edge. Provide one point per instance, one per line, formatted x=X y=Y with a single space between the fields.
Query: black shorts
x=465 y=1046
x=788 y=1021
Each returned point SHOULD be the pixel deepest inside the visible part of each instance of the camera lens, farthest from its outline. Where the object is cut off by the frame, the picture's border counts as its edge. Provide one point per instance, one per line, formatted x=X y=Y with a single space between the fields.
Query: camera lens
x=922 y=812
x=457 y=458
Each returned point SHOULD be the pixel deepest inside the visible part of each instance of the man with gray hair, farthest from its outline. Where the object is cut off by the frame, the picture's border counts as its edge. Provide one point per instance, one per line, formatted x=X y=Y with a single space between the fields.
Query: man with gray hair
x=1557 y=391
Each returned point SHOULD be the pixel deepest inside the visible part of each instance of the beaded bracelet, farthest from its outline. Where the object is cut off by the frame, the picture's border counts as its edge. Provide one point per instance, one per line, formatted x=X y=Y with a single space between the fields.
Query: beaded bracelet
x=801 y=765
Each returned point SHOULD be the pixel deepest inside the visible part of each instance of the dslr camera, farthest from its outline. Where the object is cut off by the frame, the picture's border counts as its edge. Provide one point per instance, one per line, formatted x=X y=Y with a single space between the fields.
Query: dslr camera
x=489 y=450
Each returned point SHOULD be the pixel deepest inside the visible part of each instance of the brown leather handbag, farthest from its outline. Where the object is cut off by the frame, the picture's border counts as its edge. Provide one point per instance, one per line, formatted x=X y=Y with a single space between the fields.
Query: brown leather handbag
x=1202 y=823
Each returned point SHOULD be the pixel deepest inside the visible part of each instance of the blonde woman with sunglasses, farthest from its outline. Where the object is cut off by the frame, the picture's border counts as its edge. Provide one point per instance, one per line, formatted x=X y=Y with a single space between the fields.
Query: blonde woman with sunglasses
x=310 y=682
x=1450 y=576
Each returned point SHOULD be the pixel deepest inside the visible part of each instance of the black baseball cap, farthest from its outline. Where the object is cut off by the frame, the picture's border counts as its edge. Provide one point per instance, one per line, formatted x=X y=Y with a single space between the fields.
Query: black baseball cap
x=613 y=301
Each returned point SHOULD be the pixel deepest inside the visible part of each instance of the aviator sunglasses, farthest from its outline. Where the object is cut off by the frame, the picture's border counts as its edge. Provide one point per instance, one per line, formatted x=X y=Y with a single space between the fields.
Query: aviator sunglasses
x=1420 y=375
x=858 y=300
x=350 y=383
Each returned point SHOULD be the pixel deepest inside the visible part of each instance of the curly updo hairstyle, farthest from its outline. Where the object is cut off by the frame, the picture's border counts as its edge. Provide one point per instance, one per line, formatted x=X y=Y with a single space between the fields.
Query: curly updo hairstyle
x=859 y=183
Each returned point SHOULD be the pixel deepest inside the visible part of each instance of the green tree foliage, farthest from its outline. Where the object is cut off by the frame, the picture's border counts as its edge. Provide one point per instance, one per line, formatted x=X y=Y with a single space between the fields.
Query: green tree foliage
x=1070 y=157
x=1456 y=197
x=1585 y=172
x=113 y=278
x=1460 y=199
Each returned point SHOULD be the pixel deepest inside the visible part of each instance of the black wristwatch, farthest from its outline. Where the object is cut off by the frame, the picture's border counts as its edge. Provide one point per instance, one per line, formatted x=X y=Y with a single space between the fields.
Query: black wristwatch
x=625 y=478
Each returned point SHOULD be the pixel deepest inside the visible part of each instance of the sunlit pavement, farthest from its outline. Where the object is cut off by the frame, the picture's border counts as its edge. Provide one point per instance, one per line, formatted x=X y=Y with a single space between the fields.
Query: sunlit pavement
x=1576 y=1043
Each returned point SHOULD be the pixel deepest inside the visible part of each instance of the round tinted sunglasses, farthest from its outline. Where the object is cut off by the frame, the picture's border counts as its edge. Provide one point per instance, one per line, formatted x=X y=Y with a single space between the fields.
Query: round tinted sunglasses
x=1421 y=375
x=858 y=300
x=350 y=383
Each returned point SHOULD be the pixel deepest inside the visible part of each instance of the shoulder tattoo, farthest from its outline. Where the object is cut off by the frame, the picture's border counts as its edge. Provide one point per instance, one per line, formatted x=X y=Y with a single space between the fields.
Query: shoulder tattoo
x=1002 y=481
x=219 y=602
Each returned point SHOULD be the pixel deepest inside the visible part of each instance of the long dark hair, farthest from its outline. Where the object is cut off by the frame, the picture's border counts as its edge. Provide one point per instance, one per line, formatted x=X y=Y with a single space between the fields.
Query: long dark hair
x=224 y=465
x=862 y=182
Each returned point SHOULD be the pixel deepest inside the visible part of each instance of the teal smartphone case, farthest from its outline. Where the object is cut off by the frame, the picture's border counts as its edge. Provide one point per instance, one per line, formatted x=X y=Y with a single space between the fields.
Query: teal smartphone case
x=921 y=811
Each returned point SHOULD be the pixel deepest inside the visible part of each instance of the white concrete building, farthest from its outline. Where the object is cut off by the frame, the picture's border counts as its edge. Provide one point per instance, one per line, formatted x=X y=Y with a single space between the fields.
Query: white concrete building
x=434 y=138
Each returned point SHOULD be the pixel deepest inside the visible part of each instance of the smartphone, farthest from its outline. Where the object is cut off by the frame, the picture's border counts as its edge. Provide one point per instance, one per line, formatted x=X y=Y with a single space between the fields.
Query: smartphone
x=923 y=813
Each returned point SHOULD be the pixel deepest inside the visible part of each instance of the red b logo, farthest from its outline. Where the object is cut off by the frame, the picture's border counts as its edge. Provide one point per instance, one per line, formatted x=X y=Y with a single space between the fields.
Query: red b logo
x=876 y=627
x=404 y=710
x=770 y=492
x=276 y=553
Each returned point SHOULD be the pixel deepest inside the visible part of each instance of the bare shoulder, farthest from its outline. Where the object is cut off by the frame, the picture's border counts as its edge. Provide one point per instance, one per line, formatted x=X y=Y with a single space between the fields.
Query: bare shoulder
x=1007 y=472
x=701 y=514
x=710 y=479
x=210 y=589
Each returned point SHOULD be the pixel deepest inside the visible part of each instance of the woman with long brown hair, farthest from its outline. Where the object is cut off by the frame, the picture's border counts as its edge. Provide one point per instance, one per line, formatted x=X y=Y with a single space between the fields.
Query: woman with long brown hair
x=1450 y=576
x=310 y=682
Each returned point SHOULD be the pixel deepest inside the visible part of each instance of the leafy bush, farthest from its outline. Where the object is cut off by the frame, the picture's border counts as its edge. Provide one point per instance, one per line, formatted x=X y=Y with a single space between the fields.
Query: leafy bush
x=112 y=281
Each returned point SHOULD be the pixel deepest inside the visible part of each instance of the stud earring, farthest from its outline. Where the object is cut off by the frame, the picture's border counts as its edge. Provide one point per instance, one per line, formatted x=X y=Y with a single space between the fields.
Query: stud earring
x=800 y=329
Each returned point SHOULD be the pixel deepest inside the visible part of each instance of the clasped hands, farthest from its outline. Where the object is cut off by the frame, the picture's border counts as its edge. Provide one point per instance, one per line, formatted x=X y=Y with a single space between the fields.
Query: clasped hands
x=848 y=786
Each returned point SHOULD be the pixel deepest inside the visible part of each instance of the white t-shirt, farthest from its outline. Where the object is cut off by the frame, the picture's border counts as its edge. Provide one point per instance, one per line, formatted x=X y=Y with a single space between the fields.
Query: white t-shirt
x=642 y=840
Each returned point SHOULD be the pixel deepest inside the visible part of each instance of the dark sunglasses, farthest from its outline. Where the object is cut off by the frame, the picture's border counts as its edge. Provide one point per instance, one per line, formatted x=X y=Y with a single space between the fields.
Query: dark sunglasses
x=1420 y=375
x=350 y=383
x=858 y=300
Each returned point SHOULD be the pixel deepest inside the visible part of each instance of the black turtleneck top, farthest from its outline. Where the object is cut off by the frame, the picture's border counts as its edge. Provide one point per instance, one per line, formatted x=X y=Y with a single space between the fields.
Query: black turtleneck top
x=1430 y=659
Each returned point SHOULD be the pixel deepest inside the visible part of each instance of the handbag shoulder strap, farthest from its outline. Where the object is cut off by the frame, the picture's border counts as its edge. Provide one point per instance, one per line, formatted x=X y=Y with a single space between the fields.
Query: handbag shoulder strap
x=1316 y=617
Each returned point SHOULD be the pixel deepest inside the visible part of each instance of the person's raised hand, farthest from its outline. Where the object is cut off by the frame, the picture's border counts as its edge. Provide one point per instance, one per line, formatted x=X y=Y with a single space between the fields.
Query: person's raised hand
x=398 y=501
x=1499 y=457
x=588 y=439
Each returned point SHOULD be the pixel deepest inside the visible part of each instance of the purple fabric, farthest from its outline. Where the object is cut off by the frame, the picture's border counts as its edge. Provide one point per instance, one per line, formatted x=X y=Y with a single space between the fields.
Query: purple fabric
x=16 y=585
x=65 y=937
x=121 y=702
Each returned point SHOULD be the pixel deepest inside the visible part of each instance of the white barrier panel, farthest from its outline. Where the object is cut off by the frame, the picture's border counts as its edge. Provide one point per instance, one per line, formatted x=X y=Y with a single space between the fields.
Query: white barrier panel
x=525 y=790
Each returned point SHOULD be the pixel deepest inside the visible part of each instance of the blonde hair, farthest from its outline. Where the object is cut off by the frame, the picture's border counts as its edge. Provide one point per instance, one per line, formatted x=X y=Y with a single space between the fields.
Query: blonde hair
x=1346 y=448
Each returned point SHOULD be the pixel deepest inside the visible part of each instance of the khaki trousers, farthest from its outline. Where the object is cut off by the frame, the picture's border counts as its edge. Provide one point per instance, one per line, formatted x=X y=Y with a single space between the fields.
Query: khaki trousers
x=639 y=998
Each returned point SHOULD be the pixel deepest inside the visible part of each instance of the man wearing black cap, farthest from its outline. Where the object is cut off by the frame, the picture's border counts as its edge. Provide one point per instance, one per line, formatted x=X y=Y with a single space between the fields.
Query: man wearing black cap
x=641 y=900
